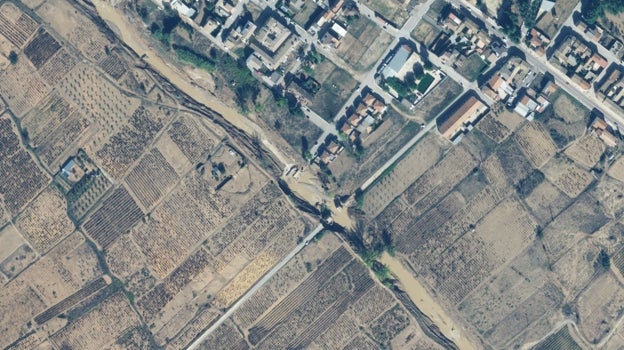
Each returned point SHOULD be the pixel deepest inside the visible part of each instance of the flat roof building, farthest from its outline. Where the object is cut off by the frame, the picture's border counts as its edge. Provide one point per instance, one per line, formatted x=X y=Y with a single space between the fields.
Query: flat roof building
x=398 y=60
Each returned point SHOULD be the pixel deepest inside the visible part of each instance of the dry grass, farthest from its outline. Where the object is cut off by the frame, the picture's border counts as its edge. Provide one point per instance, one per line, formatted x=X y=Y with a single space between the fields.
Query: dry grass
x=45 y=222
x=535 y=143
x=586 y=151
x=364 y=44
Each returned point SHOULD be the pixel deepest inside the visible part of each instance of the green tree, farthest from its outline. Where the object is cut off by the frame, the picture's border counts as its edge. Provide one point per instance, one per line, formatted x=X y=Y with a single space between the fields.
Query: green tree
x=13 y=57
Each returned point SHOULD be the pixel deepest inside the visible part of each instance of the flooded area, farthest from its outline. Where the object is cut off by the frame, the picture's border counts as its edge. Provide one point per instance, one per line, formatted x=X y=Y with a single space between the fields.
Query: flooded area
x=426 y=303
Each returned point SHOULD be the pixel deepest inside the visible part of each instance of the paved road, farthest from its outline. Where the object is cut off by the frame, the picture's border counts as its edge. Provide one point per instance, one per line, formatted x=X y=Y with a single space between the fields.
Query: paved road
x=406 y=148
x=585 y=97
x=254 y=289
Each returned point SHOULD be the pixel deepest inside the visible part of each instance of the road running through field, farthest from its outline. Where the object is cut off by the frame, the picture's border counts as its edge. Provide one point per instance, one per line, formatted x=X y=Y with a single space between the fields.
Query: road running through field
x=255 y=288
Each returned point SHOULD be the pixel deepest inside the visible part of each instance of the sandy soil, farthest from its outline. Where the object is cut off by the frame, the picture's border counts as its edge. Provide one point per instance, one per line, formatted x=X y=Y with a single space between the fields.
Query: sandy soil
x=115 y=18
x=11 y=240
x=426 y=303
x=306 y=185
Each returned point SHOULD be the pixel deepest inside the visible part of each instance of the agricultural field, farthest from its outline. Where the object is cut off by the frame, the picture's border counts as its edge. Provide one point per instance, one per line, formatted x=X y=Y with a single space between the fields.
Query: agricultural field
x=566 y=119
x=324 y=298
x=336 y=87
x=126 y=222
x=437 y=100
x=425 y=33
x=364 y=44
x=395 y=131
x=514 y=232
x=395 y=11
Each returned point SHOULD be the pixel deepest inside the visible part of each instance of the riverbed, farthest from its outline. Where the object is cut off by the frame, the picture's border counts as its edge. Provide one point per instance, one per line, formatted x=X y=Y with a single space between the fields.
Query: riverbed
x=426 y=303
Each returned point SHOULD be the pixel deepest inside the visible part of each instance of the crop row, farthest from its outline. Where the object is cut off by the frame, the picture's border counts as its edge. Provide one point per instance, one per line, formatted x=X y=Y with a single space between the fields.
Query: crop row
x=305 y=291
x=151 y=178
x=117 y=215
x=71 y=300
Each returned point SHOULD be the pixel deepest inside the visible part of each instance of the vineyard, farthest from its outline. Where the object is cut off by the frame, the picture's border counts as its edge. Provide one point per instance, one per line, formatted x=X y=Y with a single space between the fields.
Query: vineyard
x=226 y=336
x=117 y=215
x=128 y=144
x=536 y=144
x=546 y=298
x=179 y=223
x=15 y=25
x=114 y=66
x=123 y=257
x=332 y=306
x=493 y=128
x=194 y=327
x=570 y=178
x=45 y=117
x=561 y=340
x=455 y=165
x=425 y=154
x=600 y=306
x=41 y=48
x=247 y=214
x=18 y=304
x=21 y=87
x=62 y=139
x=99 y=327
x=44 y=223
x=20 y=177
x=192 y=138
x=57 y=67
x=71 y=300
x=76 y=28
x=586 y=151
x=151 y=178
x=154 y=301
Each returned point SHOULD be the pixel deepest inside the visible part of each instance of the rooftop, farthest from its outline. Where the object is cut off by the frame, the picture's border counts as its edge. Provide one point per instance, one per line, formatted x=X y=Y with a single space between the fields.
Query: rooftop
x=398 y=60
x=272 y=35
x=468 y=112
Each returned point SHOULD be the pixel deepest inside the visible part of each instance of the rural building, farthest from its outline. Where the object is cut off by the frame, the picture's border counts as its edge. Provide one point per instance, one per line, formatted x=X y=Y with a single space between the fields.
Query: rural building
x=499 y=88
x=243 y=32
x=396 y=63
x=71 y=171
x=339 y=30
x=601 y=128
x=271 y=43
x=452 y=21
x=538 y=41
x=331 y=39
x=526 y=106
x=463 y=118
x=182 y=8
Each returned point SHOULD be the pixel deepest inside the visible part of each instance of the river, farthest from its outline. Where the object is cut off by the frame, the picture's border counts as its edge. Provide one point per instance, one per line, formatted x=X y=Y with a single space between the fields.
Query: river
x=426 y=303
x=128 y=32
